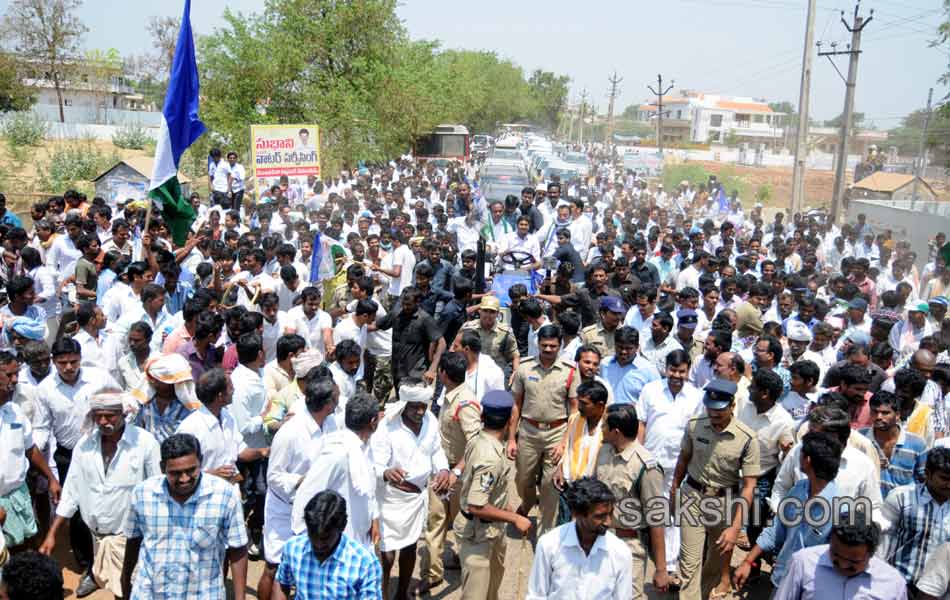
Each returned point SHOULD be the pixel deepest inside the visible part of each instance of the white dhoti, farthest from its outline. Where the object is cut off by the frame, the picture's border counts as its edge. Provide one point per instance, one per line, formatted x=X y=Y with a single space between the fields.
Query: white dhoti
x=277 y=527
x=109 y=552
x=402 y=517
x=671 y=535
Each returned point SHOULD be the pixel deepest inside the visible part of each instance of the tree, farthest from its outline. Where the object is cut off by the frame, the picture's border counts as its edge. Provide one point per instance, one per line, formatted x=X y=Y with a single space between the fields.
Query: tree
x=906 y=137
x=14 y=96
x=550 y=92
x=164 y=33
x=48 y=32
x=98 y=69
x=857 y=118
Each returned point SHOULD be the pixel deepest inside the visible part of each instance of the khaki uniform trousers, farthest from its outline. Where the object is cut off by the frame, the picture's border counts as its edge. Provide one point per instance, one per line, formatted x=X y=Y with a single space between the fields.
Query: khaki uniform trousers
x=442 y=515
x=639 y=550
x=699 y=577
x=483 y=567
x=534 y=468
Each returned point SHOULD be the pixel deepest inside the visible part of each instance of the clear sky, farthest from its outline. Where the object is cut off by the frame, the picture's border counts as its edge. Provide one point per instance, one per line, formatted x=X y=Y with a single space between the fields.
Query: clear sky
x=734 y=47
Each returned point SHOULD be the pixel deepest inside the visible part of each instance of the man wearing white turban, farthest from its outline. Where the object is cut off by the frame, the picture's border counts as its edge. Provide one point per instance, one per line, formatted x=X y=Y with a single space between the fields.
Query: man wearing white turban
x=408 y=457
x=108 y=462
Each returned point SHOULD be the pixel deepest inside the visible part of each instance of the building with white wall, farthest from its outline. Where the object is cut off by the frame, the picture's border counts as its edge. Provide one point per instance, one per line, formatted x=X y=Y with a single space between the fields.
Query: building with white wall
x=698 y=117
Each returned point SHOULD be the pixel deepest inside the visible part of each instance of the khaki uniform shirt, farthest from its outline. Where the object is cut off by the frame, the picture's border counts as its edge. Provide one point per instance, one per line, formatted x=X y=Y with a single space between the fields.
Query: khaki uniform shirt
x=459 y=422
x=498 y=342
x=484 y=483
x=693 y=347
x=546 y=391
x=717 y=457
x=599 y=338
x=635 y=478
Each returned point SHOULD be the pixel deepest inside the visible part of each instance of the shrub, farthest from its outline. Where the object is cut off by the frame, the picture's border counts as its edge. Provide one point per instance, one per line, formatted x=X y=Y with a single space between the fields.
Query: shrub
x=131 y=137
x=673 y=175
x=76 y=163
x=23 y=129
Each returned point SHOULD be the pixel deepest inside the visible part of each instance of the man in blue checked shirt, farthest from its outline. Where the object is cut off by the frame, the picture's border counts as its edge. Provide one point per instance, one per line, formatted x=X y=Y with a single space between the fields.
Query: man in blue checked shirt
x=324 y=563
x=917 y=518
x=902 y=454
x=183 y=525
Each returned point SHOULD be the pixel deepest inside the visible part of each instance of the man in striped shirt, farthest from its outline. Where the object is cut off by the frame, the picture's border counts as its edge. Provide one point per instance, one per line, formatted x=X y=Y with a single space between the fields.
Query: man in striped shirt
x=901 y=453
x=917 y=518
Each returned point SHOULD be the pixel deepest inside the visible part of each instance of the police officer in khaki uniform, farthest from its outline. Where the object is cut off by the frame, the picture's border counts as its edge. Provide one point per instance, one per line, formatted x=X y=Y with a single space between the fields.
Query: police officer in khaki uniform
x=545 y=391
x=459 y=424
x=483 y=503
x=687 y=320
x=718 y=461
x=635 y=478
x=601 y=335
x=498 y=340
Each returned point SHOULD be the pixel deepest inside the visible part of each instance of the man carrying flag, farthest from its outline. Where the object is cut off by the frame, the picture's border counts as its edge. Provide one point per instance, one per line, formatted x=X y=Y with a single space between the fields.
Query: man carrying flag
x=180 y=128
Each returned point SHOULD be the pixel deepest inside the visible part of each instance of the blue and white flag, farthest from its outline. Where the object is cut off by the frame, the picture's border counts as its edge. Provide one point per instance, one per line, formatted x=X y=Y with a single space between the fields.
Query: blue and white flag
x=179 y=130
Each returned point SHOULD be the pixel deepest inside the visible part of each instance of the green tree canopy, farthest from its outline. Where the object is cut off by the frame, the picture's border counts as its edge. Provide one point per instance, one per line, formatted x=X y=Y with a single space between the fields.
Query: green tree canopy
x=351 y=68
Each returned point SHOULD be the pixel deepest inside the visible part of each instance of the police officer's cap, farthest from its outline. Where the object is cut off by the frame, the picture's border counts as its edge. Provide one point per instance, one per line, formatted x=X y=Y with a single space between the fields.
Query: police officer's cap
x=497 y=402
x=719 y=394
x=687 y=317
x=612 y=304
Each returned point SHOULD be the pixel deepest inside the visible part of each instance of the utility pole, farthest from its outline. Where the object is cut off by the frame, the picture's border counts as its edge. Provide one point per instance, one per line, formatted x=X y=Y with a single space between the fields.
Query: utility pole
x=580 y=133
x=801 y=138
x=922 y=153
x=570 y=123
x=659 y=92
x=854 y=52
x=614 y=83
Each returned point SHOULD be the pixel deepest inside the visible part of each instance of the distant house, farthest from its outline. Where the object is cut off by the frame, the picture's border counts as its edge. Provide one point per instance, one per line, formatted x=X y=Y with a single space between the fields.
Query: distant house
x=891 y=186
x=128 y=180
x=693 y=116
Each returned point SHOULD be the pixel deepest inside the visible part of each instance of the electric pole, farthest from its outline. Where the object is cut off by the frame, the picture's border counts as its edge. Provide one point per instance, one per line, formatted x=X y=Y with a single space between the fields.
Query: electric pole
x=570 y=123
x=801 y=137
x=614 y=83
x=659 y=92
x=922 y=153
x=580 y=133
x=854 y=52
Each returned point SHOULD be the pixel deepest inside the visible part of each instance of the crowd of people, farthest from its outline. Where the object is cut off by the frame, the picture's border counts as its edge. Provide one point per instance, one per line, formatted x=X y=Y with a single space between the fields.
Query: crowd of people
x=321 y=380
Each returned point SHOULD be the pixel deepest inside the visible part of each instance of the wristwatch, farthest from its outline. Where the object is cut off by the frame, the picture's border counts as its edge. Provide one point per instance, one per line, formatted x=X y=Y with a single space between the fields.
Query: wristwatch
x=457 y=472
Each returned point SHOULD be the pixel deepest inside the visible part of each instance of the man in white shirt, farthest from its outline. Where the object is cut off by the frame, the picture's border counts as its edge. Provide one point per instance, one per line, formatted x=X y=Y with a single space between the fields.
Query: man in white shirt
x=775 y=432
x=91 y=320
x=483 y=374
x=346 y=467
x=109 y=461
x=408 y=457
x=317 y=326
x=17 y=453
x=222 y=444
x=236 y=176
x=218 y=178
x=398 y=266
x=293 y=451
x=249 y=403
x=354 y=326
x=62 y=403
x=521 y=240
x=583 y=558
x=665 y=408
x=857 y=477
x=345 y=370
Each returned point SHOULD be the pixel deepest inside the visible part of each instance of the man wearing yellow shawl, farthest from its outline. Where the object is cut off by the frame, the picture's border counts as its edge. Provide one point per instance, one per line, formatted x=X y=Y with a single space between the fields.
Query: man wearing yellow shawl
x=582 y=441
